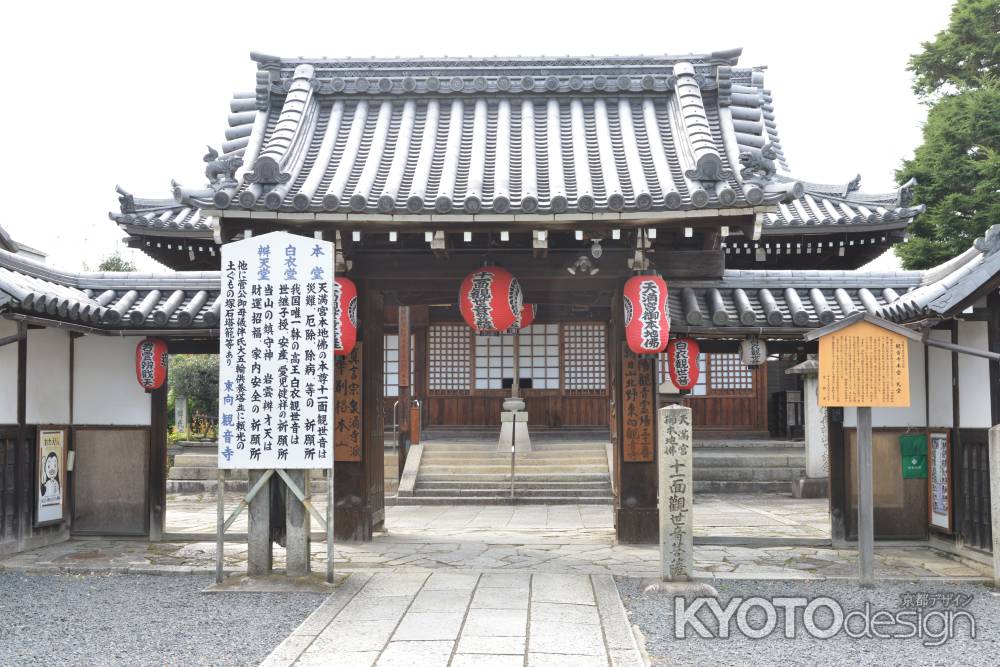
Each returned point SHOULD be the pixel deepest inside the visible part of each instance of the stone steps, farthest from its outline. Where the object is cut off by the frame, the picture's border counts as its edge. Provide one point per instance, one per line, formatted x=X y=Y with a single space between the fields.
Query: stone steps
x=748 y=469
x=554 y=472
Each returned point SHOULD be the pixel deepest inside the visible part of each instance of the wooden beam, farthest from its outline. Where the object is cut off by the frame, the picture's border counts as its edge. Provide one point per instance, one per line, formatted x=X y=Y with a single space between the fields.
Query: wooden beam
x=993 y=344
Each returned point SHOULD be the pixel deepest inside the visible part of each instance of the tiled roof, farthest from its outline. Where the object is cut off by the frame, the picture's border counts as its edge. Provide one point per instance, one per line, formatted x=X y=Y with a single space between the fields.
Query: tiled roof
x=821 y=207
x=782 y=303
x=161 y=217
x=788 y=301
x=947 y=288
x=566 y=137
x=183 y=300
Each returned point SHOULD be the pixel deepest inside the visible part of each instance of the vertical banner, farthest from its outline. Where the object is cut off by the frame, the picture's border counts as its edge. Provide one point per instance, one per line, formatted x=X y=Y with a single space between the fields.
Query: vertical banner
x=51 y=478
x=638 y=403
x=347 y=431
x=276 y=353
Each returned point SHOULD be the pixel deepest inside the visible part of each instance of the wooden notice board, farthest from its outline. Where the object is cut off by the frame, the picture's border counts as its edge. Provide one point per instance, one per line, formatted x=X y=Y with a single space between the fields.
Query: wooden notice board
x=347 y=431
x=864 y=365
x=638 y=407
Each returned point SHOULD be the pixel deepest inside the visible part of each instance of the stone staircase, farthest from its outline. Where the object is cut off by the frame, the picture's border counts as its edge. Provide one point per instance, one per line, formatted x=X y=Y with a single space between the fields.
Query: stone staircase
x=473 y=471
x=747 y=466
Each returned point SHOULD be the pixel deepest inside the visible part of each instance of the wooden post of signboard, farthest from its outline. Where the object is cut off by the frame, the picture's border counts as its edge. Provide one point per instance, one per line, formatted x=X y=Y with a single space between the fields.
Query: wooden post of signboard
x=866 y=503
x=864 y=363
x=995 y=500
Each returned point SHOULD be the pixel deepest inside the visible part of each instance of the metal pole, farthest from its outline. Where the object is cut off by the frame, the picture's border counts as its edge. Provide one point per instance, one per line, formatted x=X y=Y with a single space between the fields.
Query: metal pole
x=515 y=391
x=515 y=386
x=866 y=521
x=220 y=530
x=513 y=439
x=329 y=526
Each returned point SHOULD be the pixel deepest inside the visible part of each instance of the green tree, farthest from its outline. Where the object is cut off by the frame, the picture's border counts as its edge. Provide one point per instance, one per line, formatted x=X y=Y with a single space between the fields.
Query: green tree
x=116 y=262
x=197 y=377
x=957 y=166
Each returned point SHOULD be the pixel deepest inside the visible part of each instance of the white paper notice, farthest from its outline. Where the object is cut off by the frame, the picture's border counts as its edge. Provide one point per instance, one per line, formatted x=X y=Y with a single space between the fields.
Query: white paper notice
x=276 y=353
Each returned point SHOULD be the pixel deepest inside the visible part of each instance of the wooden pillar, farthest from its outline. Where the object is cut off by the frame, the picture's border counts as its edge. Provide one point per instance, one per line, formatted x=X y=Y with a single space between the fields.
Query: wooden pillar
x=993 y=344
x=157 y=463
x=419 y=323
x=837 y=457
x=636 y=512
x=359 y=493
x=260 y=547
x=403 y=434
x=866 y=500
x=22 y=452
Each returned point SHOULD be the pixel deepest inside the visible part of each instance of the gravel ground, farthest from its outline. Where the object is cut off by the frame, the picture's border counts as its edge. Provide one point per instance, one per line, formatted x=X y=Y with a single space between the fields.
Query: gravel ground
x=58 y=620
x=654 y=614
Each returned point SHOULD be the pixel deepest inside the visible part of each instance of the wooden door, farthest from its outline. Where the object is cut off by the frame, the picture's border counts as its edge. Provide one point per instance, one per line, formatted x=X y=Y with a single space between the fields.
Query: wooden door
x=730 y=398
x=110 y=481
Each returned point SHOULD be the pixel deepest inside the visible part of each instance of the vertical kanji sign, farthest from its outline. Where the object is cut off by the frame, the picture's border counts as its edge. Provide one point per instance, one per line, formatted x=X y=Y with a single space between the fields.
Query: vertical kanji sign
x=276 y=364
x=347 y=407
x=638 y=404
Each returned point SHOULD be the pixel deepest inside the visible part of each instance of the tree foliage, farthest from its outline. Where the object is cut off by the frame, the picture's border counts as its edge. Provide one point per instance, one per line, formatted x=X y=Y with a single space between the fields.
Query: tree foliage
x=957 y=166
x=197 y=377
x=958 y=177
x=115 y=262
x=964 y=55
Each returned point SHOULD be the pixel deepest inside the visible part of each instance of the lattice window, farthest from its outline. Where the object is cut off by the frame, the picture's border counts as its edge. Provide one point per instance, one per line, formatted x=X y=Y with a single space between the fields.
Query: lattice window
x=701 y=386
x=584 y=356
x=494 y=361
x=540 y=355
x=448 y=363
x=729 y=374
x=390 y=364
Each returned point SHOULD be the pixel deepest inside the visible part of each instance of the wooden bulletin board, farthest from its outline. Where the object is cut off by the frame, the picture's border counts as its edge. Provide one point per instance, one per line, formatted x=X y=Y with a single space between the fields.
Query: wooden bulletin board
x=638 y=407
x=939 y=487
x=864 y=365
x=347 y=431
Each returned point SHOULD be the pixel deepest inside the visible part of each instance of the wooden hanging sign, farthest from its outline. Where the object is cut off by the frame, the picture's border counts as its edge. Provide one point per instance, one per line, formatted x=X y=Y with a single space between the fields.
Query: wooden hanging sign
x=864 y=362
x=347 y=430
x=638 y=405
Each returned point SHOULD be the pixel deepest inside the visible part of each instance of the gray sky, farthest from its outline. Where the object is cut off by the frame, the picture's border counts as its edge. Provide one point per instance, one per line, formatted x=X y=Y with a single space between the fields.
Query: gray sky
x=129 y=93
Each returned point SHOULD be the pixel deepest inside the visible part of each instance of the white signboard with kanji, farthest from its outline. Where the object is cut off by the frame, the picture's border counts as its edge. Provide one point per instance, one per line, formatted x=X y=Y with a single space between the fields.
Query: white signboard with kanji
x=276 y=353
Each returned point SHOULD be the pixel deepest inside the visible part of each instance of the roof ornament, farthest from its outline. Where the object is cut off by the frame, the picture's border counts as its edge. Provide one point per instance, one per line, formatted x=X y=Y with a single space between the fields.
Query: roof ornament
x=989 y=243
x=758 y=164
x=904 y=194
x=854 y=185
x=125 y=200
x=221 y=171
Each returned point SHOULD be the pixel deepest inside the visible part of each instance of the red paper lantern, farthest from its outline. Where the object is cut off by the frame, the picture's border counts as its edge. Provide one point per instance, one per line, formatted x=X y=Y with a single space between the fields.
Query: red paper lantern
x=525 y=319
x=151 y=363
x=490 y=300
x=682 y=358
x=647 y=322
x=345 y=316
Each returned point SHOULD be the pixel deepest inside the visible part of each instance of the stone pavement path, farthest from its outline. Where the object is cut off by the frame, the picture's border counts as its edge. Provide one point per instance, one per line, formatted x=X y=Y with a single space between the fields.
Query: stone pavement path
x=464 y=619
x=729 y=515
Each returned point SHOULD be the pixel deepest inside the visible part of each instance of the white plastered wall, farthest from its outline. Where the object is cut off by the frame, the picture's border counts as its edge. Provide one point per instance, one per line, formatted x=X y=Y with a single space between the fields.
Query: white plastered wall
x=48 y=377
x=105 y=390
x=939 y=380
x=973 y=377
x=916 y=414
x=8 y=375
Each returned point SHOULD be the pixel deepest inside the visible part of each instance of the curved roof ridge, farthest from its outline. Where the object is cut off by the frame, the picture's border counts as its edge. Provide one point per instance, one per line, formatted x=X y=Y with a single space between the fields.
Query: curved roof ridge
x=722 y=57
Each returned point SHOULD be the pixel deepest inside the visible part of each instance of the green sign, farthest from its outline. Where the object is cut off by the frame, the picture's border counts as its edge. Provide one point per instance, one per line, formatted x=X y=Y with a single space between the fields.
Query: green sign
x=913 y=456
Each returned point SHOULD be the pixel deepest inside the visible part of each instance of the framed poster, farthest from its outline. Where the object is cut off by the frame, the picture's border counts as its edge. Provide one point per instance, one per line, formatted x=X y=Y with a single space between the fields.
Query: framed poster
x=50 y=477
x=939 y=480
